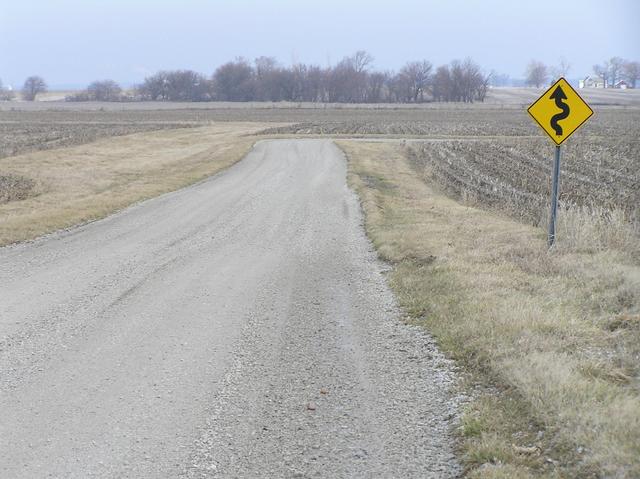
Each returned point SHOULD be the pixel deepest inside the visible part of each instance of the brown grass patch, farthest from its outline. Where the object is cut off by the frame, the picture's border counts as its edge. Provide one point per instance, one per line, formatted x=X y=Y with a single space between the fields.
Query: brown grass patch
x=549 y=336
x=83 y=183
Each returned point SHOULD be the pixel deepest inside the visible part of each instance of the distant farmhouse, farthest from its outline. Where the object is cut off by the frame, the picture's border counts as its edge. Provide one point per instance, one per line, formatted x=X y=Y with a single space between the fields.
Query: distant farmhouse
x=593 y=82
x=599 y=82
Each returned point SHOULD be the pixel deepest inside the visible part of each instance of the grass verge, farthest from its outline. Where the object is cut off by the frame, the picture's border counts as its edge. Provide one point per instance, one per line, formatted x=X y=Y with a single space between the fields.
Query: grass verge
x=550 y=340
x=84 y=183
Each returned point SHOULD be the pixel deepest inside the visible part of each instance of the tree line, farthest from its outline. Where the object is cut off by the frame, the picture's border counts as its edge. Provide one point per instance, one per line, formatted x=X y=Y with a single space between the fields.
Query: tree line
x=352 y=80
x=610 y=71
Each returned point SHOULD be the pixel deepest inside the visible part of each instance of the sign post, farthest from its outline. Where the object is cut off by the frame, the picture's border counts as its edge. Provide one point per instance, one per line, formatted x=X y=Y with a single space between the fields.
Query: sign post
x=551 y=238
x=560 y=111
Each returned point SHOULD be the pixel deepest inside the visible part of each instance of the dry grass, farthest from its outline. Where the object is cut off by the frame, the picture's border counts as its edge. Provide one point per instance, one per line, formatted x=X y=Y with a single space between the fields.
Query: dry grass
x=551 y=340
x=83 y=183
x=15 y=187
x=592 y=229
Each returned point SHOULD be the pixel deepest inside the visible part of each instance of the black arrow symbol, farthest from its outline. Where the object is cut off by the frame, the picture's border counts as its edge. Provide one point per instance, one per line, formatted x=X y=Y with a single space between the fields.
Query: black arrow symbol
x=558 y=95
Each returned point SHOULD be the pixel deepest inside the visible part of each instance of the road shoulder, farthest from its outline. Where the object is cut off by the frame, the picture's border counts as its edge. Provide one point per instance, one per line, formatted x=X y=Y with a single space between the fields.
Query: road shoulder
x=532 y=330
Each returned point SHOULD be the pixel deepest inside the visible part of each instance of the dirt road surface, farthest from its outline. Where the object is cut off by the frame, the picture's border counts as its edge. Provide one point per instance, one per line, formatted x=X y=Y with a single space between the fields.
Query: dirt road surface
x=241 y=327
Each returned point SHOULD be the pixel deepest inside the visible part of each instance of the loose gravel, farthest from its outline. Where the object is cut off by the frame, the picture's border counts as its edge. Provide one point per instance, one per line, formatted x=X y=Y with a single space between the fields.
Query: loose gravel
x=241 y=327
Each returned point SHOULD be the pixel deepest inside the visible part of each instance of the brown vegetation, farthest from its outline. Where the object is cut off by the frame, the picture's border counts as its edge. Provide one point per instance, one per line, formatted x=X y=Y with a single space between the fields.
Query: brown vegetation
x=550 y=340
x=87 y=182
x=32 y=87
x=15 y=187
x=101 y=90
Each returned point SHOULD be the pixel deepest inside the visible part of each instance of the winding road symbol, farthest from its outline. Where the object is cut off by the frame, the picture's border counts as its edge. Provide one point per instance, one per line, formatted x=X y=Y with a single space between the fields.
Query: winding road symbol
x=558 y=95
x=560 y=111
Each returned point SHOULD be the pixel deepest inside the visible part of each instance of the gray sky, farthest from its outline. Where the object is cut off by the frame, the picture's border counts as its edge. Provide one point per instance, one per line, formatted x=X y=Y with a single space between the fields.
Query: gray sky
x=72 y=42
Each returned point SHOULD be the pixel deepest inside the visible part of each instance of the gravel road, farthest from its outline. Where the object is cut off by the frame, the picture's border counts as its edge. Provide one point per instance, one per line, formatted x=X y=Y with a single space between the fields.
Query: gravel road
x=241 y=327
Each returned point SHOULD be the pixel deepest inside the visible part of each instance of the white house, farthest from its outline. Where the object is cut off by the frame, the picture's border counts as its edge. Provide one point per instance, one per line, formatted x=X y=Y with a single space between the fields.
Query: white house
x=593 y=82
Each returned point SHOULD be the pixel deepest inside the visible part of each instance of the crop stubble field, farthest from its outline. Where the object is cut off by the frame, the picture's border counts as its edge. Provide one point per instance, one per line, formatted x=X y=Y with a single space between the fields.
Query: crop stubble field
x=491 y=156
x=598 y=172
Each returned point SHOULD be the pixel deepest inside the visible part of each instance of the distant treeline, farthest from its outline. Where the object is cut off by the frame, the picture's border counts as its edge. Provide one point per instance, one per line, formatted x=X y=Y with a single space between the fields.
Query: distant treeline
x=352 y=80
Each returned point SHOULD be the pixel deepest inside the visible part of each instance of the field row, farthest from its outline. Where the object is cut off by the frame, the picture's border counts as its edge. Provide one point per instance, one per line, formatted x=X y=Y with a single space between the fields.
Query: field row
x=515 y=175
x=23 y=131
x=17 y=138
x=459 y=123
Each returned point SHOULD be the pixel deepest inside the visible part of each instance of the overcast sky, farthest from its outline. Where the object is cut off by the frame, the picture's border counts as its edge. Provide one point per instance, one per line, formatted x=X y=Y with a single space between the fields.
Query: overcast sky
x=72 y=42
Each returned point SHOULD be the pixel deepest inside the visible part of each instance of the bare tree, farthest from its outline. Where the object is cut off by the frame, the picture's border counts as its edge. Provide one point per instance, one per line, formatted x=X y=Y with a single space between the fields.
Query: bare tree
x=414 y=78
x=536 y=74
x=234 y=81
x=339 y=82
x=315 y=84
x=474 y=83
x=561 y=70
x=614 y=68
x=271 y=81
x=460 y=81
x=309 y=83
x=265 y=65
x=361 y=60
x=187 y=85
x=32 y=86
x=483 y=87
x=602 y=72
x=441 y=84
x=154 y=87
x=104 y=90
x=347 y=81
x=377 y=82
x=176 y=85
x=631 y=73
x=480 y=86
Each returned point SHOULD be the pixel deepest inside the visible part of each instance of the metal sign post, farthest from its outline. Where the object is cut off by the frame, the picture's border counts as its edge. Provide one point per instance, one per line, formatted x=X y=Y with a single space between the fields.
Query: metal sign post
x=551 y=239
x=559 y=111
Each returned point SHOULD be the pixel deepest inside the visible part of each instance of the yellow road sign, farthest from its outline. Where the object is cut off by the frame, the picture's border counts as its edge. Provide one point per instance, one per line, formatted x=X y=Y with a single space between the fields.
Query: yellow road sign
x=560 y=111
